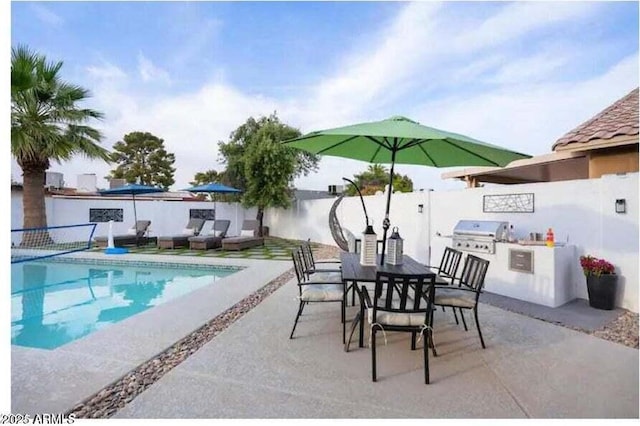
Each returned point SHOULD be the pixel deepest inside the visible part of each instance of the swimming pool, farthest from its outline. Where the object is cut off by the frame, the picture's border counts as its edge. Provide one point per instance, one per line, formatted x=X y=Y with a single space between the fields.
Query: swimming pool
x=57 y=301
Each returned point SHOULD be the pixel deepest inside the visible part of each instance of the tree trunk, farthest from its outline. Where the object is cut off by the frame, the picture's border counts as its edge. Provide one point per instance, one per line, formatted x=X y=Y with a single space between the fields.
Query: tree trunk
x=259 y=217
x=33 y=207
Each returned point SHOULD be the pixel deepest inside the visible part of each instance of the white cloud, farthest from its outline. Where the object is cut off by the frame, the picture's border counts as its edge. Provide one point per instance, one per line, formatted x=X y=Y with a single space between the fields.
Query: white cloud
x=151 y=73
x=483 y=83
x=45 y=15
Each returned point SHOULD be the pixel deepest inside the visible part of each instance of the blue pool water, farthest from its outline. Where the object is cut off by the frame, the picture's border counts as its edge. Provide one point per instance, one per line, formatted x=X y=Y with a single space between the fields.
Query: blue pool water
x=54 y=303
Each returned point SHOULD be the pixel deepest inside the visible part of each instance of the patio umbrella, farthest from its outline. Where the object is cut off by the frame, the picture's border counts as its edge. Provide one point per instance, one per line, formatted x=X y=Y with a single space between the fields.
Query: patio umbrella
x=404 y=141
x=132 y=189
x=212 y=188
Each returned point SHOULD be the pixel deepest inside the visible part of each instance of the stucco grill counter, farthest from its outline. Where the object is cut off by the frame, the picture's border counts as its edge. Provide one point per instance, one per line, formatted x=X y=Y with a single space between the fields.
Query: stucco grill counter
x=533 y=273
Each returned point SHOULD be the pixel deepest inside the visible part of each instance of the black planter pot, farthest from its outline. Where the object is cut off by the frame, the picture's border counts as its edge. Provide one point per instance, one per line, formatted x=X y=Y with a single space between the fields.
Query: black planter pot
x=602 y=291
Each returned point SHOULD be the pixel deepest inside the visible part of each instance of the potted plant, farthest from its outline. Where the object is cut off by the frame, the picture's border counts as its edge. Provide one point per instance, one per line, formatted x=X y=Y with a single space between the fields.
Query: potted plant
x=602 y=282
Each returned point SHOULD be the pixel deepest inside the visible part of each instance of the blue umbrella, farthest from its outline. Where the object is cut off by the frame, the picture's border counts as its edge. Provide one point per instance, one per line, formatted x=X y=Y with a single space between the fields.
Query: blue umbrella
x=132 y=189
x=214 y=188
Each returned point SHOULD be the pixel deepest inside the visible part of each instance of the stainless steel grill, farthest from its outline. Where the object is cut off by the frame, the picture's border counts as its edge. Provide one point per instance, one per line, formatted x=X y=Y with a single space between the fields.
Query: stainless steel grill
x=479 y=235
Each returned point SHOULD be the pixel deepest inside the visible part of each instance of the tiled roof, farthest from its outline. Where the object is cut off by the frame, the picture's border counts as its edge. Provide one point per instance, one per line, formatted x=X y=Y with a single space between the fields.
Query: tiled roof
x=619 y=119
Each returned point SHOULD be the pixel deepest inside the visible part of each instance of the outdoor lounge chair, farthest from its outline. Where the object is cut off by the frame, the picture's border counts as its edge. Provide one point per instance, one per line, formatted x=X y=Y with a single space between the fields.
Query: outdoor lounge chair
x=248 y=237
x=135 y=235
x=214 y=238
x=173 y=241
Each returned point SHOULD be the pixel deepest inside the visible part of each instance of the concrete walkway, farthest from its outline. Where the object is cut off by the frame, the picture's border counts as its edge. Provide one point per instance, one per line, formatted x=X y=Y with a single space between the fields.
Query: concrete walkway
x=54 y=381
x=529 y=369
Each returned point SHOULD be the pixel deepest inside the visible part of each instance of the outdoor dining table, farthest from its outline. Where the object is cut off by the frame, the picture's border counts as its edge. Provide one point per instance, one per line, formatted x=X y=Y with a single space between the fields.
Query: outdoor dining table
x=355 y=273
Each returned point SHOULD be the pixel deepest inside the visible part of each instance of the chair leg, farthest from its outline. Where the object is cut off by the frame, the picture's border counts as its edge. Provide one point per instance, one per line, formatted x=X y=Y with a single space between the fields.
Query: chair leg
x=413 y=340
x=455 y=316
x=463 y=321
x=425 y=350
x=344 y=323
x=430 y=335
x=475 y=312
x=373 y=354
x=300 y=308
x=443 y=310
x=353 y=294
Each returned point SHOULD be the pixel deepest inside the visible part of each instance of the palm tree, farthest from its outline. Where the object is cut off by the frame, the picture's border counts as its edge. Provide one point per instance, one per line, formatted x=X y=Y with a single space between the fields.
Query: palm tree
x=46 y=124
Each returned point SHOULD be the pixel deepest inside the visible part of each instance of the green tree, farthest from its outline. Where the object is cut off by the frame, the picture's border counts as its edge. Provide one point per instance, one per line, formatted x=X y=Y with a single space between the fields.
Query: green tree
x=46 y=124
x=203 y=178
x=141 y=158
x=259 y=164
x=375 y=178
x=211 y=176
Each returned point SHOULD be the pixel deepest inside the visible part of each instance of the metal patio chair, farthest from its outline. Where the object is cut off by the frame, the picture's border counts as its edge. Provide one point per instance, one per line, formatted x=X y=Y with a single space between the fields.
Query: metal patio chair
x=402 y=303
x=316 y=291
x=464 y=291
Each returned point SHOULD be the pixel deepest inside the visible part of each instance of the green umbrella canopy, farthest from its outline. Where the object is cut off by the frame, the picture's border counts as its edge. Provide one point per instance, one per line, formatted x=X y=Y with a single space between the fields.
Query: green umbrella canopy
x=404 y=141
x=413 y=143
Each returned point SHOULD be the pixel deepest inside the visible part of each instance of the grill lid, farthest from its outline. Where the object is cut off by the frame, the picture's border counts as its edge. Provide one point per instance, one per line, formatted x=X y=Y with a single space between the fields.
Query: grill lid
x=480 y=228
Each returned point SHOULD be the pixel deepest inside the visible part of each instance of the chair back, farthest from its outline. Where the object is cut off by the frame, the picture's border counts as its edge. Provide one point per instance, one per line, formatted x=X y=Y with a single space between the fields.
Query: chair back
x=251 y=225
x=415 y=293
x=296 y=256
x=473 y=273
x=196 y=225
x=307 y=255
x=141 y=227
x=221 y=225
x=450 y=262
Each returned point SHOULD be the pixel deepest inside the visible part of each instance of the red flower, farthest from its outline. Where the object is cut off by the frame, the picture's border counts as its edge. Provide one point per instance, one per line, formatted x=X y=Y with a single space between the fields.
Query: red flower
x=594 y=266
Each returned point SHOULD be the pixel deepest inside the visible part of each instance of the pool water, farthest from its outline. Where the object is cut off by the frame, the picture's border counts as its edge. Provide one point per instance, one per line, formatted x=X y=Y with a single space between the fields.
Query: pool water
x=54 y=303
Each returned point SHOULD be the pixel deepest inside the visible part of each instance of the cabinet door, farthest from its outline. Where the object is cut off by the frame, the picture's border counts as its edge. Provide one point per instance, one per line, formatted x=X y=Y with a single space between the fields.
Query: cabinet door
x=521 y=260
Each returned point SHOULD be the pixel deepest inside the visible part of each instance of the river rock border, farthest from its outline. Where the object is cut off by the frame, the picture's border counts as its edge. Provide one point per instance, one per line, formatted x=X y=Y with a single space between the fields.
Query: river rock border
x=112 y=398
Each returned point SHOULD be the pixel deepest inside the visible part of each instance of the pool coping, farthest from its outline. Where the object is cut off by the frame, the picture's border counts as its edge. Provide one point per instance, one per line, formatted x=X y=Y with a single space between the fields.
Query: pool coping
x=55 y=380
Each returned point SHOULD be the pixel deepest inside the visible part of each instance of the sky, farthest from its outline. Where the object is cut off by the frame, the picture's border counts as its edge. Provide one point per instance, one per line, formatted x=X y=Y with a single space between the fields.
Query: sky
x=517 y=75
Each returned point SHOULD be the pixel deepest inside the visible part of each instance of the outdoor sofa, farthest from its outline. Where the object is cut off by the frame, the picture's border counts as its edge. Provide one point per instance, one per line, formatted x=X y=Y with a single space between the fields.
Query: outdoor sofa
x=174 y=241
x=135 y=235
x=213 y=239
x=248 y=237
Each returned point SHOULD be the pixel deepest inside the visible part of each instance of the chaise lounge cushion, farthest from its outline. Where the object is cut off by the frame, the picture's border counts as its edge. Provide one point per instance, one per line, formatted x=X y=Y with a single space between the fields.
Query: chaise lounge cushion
x=248 y=237
x=213 y=239
x=129 y=238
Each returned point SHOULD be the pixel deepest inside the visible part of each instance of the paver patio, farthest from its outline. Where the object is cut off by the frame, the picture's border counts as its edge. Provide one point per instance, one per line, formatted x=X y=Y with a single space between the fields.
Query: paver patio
x=530 y=369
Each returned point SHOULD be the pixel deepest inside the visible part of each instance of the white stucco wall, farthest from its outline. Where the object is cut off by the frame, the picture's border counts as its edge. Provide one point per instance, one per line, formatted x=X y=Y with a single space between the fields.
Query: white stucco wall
x=581 y=212
x=167 y=217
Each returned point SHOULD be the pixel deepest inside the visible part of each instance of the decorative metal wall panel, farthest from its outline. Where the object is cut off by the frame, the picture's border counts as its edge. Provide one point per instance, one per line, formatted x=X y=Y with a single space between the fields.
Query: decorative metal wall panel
x=206 y=214
x=105 y=215
x=508 y=203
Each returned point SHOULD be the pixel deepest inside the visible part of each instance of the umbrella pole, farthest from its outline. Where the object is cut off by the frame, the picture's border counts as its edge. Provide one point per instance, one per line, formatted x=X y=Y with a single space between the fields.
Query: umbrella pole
x=135 y=217
x=385 y=222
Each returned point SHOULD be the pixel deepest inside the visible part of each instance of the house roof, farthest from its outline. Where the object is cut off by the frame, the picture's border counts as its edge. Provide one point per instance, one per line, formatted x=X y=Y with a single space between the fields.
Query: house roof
x=619 y=119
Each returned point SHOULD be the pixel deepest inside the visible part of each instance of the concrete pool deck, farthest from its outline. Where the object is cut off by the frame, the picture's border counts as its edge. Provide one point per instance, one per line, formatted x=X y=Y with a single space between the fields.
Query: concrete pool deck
x=53 y=381
x=530 y=369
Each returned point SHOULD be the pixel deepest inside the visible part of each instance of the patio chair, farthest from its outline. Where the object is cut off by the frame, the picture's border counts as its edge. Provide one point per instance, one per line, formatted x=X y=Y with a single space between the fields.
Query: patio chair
x=214 y=238
x=248 y=237
x=402 y=303
x=194 y=226
x=134 y=235
x=448 y=267
x=447 y=270
x=316 y=291
x=466 y=293
x=311 y=266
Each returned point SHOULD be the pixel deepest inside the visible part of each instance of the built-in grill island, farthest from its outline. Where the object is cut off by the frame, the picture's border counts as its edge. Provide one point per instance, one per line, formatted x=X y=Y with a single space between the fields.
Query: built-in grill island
x=479 y=235
x=531 y=272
